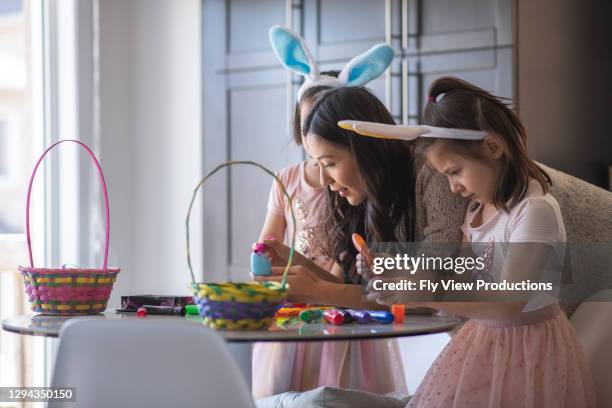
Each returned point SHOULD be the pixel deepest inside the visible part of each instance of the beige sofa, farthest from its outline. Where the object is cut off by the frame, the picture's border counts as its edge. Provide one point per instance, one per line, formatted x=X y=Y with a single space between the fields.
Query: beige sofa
x=587 y=296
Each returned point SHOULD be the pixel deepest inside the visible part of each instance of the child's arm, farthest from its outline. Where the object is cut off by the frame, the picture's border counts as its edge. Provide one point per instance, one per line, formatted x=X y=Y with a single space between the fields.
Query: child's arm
x=279 y=252
x=274 y=225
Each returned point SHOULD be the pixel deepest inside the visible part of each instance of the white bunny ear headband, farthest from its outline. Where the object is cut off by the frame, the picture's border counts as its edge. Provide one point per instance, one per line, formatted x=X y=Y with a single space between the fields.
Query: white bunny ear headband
x=409 y=132
x=293 y=53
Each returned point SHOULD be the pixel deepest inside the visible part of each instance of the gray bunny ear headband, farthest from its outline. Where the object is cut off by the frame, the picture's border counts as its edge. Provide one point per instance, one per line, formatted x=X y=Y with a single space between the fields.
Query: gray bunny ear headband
x=293 y=53
x=409 y=132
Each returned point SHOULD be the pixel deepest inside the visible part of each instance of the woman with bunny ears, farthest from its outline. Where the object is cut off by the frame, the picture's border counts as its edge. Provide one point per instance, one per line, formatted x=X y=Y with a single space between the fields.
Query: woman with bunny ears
x=360 y=365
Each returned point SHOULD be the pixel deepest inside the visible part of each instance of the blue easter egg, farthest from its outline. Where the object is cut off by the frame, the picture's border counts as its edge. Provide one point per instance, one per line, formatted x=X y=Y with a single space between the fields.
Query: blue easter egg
x=260 y=265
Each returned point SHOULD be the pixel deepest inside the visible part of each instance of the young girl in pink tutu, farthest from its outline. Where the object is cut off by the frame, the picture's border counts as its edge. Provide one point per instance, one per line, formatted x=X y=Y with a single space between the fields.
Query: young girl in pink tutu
x=521 y=352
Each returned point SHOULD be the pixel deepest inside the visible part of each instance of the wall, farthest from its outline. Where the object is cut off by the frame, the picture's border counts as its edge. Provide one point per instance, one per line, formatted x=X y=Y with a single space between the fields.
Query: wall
x=564 y=84
x=150 y=144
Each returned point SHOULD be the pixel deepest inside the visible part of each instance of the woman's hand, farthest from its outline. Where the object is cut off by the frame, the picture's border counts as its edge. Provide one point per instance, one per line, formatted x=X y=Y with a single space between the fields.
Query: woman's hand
x=304 y=285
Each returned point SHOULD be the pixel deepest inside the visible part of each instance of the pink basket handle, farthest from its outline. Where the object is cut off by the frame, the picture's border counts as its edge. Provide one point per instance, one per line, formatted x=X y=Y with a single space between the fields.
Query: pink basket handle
x=105 y=193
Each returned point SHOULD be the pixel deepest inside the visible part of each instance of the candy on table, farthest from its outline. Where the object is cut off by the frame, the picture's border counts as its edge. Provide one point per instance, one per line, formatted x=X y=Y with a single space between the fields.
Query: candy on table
x=381 y=316
x=398 y=311
x=260 y=263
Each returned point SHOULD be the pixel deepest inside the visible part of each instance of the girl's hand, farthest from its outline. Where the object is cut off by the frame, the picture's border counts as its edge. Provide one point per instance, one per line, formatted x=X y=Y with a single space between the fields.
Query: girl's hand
x=279 y=256
x=276 y=251
x=304 y=285
x=363 y=268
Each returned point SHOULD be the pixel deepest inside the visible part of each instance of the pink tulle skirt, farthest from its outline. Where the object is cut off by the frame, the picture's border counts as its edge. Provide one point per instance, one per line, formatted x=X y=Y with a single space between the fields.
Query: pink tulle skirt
x=535 y=361
x=365 y=365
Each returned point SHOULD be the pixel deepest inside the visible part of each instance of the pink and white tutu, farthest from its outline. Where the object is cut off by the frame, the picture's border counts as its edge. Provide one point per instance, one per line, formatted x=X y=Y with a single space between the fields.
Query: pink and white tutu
x=534 y=361
x=365 y=365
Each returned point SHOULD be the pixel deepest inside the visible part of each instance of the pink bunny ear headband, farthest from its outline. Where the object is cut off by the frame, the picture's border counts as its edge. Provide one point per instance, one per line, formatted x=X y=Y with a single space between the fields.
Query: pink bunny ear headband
x=409 y=132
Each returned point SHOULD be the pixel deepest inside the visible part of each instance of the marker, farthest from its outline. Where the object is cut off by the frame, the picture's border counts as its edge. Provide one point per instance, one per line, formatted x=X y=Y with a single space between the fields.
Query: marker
x=382 y=316
x=361 y=246
x=347 y=316
x=333 y=316
x=289 y=311
x=311 y=315
x=192 y=310
x=398 y=311
x=360 y=316
x=164 y=310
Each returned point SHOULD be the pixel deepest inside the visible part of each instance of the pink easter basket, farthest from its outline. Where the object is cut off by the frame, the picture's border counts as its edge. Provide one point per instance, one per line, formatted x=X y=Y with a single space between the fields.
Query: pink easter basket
x=66 y=291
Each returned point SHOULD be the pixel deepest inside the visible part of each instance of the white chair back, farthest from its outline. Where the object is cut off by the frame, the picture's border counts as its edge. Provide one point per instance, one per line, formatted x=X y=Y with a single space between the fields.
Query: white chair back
x=148 y=363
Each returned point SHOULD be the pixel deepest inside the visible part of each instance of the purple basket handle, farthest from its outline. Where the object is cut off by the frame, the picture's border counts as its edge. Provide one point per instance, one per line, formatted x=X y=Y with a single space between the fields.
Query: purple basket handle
x=102 y=181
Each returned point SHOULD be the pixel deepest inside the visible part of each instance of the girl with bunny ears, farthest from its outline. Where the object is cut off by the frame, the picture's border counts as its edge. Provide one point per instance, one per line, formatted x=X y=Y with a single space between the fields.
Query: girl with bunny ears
x=280 y=367
x=517 y=350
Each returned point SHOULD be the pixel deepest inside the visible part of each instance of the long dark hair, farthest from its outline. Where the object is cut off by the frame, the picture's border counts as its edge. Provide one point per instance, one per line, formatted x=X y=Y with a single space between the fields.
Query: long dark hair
x=385 y=166
x=308 y=95
x=466 y=106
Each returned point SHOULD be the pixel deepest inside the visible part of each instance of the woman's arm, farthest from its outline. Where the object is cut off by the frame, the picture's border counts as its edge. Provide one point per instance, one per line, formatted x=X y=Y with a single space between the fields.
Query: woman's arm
x=440 y=213
x=307 y=287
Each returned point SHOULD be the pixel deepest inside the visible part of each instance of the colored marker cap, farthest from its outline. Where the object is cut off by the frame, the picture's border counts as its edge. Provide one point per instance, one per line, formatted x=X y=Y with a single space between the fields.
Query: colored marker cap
x=398 y=311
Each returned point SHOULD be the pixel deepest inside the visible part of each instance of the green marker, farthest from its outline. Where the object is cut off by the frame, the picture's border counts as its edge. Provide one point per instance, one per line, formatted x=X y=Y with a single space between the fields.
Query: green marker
x=311 y=315
x=192 y=309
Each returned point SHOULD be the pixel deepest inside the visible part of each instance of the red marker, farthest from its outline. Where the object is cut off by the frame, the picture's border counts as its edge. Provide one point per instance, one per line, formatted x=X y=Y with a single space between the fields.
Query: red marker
x=362 y=247
x=333 y=316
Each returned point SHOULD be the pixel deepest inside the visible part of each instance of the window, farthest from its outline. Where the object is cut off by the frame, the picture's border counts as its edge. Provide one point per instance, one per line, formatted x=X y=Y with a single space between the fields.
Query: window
x=3 y=150
x=17 y=144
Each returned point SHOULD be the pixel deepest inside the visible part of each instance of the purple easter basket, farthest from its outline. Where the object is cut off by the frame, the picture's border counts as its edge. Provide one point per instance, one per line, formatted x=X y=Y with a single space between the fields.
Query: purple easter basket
x=62 y=291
